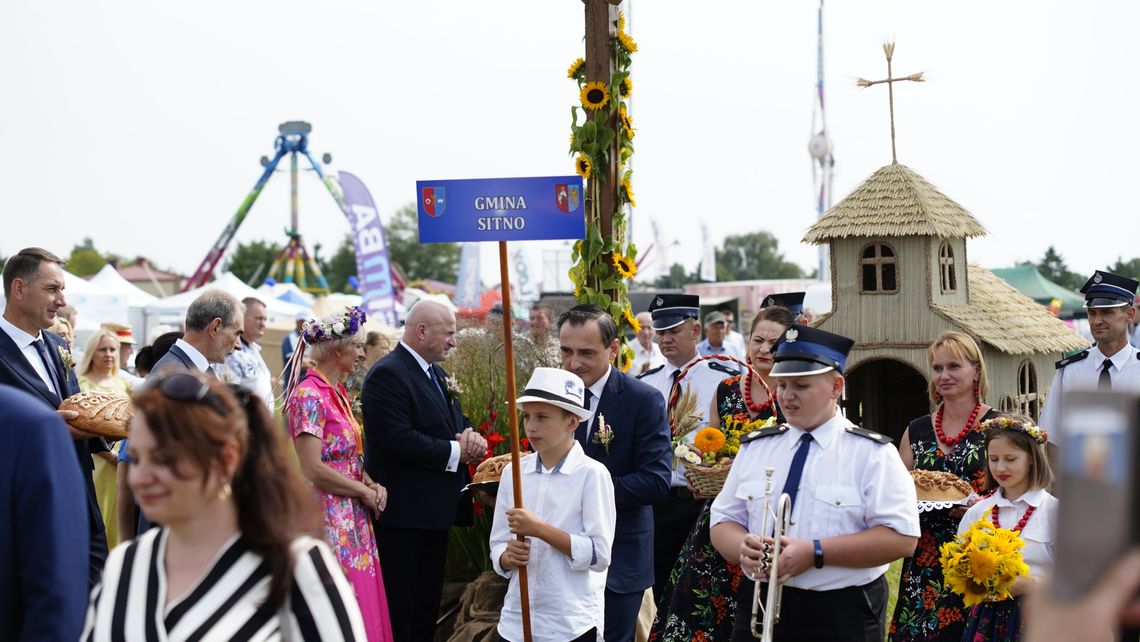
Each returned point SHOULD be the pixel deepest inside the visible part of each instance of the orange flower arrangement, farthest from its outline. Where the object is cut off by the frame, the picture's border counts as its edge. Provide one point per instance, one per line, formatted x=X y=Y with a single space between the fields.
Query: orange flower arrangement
x=709 y=440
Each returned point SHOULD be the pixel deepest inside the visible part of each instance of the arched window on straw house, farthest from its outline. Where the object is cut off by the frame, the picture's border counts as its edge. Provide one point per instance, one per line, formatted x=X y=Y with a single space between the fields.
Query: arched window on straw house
x=949 y=280
x=1028 y=401
x=878 y=272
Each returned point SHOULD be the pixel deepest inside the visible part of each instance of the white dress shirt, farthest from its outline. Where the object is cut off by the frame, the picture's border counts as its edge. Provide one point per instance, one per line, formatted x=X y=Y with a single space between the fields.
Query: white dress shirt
x=453 y=459
x=24 y=342
x=596 y=391
x=849 y=484
x=567 y=594
x=645 y=358
x=197 y=358
x=703 y=379
x=1084 y=375
x=1038 y=533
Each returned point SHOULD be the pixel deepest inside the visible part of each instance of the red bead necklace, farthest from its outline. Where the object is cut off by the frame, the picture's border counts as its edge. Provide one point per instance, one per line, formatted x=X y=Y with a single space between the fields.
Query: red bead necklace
x=962 y=435
x=746 y=386
x=1020 y=525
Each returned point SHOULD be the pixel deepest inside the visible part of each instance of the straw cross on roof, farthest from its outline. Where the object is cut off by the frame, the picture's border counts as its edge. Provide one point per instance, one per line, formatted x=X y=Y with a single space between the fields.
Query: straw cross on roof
x=889 y=49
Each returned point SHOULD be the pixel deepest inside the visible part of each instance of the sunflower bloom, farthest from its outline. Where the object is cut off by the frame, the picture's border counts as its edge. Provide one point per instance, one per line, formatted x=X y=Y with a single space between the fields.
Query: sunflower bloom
x=627 y=314
x=595 y=95
x=626 y=123
x=625 y=89
x=624 y=266
x=583 y=166
x=626 y=41
x=621 y=21
x=709 y=440
x=576 y=68
x=628 y=191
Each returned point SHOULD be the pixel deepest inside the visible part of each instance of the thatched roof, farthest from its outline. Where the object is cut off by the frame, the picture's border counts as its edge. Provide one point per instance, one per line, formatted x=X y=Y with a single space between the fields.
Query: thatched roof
x=1007 y=319
x=895 y=201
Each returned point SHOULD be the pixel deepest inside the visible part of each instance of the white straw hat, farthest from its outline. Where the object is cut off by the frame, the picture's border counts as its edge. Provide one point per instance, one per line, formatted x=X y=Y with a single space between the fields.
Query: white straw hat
x=556 y=387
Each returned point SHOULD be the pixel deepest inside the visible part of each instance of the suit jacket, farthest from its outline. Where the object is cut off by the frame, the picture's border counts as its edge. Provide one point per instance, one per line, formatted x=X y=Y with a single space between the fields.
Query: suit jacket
x=15 y=371
x=638 y=459
x=41 y=553
x=174 y=359
x=409 y=429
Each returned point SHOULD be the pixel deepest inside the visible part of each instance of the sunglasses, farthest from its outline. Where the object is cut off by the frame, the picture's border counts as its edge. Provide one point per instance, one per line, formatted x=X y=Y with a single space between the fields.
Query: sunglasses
x=187 y=387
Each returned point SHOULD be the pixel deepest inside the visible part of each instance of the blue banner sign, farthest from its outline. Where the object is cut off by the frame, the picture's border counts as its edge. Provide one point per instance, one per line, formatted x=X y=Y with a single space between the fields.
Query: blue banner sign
x=501 y=209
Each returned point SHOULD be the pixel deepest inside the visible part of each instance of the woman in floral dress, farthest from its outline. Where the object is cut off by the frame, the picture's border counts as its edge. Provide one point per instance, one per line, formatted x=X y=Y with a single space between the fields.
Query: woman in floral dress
x=699 y=600
x=329 y=446
x=945 y=441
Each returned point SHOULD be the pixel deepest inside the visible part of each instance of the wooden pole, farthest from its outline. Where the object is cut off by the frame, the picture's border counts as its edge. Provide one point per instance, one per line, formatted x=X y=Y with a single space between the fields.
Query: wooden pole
x=604 y=184
x=513 y=420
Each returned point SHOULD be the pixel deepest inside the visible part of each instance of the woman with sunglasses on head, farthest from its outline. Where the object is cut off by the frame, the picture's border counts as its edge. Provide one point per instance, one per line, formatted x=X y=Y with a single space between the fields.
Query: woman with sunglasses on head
x=328 y=440
x=233 y=558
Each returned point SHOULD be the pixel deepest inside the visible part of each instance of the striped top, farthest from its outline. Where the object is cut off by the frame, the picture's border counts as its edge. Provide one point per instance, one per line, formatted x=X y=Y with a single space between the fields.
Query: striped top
x=226 y=602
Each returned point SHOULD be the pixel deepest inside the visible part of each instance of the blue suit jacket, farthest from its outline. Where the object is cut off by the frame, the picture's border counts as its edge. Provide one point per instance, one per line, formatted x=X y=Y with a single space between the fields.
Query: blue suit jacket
x=43 y=557
x=638 y=459
x=174 y=359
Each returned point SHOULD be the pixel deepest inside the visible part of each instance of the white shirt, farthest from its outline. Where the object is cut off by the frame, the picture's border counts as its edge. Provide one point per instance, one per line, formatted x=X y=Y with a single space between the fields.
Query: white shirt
x=645 y=358
x=567 y=594
x=246 y=367
x=849 y=484
x=1084 y=375
x=705 y=349
x=197 y=358
x=453 y=460
x=736 y=340
x=1038 y=533
x=703 y=379
x=24 y=342
x=596 y=396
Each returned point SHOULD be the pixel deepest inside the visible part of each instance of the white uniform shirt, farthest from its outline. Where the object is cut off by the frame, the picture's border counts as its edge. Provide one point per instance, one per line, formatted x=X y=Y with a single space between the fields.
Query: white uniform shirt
x=1038 y=533
x=1084 y=375
x=24 y=342
x=644 y=359
x=849 y=484
x=567 y=594
x=703 y=379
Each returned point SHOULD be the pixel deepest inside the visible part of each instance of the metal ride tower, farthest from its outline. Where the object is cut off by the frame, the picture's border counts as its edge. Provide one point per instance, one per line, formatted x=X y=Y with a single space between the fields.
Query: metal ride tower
x=293 y=260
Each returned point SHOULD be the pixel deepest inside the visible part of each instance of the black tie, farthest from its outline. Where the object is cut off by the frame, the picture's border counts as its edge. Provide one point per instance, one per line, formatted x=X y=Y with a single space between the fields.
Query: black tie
x=1105 y=380
x=46 y=359
x=583 y=431
x=792 y=485
x=435 y=380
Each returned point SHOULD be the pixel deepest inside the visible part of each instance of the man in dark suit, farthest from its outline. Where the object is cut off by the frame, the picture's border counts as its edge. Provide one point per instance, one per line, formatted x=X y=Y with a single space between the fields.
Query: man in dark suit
x=417 y=445
x=39 y=363
x=41 y=552
x=637 y=455
x=215 y=322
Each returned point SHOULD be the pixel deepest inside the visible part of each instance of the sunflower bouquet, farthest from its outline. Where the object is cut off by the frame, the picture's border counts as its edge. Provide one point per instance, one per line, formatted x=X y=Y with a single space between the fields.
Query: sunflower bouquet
x=982 y=563
x=709 y=457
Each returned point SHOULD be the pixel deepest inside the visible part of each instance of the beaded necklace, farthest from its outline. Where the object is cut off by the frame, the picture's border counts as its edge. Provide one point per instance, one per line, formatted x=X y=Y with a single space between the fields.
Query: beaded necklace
x=953 y=441
x=1020 y=525
x=746 y=387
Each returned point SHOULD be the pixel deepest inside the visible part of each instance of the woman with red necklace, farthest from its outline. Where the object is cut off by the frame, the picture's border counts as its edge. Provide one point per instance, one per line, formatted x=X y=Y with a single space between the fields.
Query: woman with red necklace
x=700 y=596
x=947 y=441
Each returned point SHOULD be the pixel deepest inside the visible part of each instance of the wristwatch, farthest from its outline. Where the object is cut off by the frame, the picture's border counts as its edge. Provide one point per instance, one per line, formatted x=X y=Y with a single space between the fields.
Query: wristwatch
x=818 y=553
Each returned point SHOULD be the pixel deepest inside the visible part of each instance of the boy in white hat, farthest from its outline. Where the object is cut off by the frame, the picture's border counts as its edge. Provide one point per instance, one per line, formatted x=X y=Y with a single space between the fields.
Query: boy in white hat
x=568 y=522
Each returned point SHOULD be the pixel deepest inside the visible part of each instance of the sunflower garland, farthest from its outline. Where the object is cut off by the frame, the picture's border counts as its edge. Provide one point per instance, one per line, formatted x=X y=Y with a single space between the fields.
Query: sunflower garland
x=601 y=128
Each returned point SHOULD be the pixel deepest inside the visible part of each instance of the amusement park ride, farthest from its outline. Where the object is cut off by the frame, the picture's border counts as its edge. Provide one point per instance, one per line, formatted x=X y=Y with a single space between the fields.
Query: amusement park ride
x=293 y=263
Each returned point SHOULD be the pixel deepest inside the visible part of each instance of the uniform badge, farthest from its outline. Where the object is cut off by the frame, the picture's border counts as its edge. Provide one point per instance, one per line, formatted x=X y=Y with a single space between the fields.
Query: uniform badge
x=434 y=201
x=791 y=335
x=770 y=302
x=1097 y=278
x=659 y=302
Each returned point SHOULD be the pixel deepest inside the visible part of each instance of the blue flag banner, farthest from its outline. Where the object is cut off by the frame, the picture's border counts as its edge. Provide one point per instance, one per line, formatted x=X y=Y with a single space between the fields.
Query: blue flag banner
x=372 y=265
x=501 y=209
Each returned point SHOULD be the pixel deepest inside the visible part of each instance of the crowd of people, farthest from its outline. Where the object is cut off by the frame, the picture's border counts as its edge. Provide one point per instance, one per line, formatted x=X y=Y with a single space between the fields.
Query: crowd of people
x=317 y=504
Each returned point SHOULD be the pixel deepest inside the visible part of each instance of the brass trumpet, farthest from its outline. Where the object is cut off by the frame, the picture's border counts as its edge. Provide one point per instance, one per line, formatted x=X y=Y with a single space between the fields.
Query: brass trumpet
x=766 y=608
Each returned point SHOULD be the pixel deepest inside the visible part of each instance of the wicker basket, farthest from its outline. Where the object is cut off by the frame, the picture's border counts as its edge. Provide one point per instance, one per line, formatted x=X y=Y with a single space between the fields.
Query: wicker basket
x=707 y=480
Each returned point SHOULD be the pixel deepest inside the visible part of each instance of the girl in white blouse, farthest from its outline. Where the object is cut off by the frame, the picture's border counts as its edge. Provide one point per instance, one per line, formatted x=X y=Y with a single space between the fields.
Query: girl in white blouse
x=1018 y=471
x=234 y=558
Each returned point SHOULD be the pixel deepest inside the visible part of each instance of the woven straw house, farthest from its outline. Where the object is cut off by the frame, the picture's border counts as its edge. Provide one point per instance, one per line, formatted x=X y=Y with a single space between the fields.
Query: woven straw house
x=900 y=278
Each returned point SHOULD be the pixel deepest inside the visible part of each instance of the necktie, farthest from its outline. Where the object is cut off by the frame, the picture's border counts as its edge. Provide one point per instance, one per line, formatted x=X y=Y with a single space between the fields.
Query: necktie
x=1104 y=382
x=792 y=485
x=435 y=380
x=676 y=373
x=583 y=430
x=46 y=359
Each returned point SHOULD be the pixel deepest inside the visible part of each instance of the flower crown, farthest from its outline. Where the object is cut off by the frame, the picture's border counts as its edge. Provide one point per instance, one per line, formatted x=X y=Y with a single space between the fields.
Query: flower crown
x=346 y=326
x=1039 y=434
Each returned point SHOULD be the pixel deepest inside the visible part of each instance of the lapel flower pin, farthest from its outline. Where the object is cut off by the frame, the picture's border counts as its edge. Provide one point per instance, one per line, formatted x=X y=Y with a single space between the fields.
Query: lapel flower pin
x=604 y=435
x=68 y=360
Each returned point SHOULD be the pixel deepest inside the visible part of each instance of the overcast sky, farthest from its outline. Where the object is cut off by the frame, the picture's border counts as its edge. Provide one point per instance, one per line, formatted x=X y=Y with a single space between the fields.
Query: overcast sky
x=140 y=124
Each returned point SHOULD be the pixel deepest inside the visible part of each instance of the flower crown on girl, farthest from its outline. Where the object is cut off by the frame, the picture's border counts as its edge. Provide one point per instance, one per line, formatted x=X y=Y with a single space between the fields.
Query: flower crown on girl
x=346 y=326
x=1039 y=434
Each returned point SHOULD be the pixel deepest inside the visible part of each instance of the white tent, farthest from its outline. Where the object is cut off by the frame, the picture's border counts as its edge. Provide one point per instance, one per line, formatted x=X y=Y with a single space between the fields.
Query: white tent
x=109 y=279
x=172 y=309
x=93 y=304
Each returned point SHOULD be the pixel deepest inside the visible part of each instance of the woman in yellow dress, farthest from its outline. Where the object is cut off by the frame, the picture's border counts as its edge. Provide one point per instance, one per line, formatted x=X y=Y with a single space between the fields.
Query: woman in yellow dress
x=99 y=372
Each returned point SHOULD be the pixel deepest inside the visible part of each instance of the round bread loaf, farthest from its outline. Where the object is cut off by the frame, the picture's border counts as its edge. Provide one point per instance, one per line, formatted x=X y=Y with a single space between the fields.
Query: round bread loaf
x=937 y=486
x=100 y=413
x=491 y=470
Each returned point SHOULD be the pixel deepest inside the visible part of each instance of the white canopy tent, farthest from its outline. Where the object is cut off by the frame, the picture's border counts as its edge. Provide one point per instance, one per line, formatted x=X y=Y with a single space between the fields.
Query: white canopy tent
x=172 y=309
x=109 y=279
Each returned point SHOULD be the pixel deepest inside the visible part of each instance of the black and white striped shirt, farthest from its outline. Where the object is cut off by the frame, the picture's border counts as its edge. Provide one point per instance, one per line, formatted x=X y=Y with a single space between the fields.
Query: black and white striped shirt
x=226 y=603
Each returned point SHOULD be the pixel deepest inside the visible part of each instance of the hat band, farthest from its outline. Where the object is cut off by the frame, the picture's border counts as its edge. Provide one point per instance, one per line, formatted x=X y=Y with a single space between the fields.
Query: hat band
x=1109 y=289
x=816 y=352
x=676 y=310
x=550 y=396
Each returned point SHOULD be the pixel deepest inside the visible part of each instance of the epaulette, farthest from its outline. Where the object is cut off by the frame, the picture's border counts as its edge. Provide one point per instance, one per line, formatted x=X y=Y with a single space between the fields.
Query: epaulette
x=869 y=434
x=1073 y=358
x=649 y=372
x=716 y=365
x=763 y=432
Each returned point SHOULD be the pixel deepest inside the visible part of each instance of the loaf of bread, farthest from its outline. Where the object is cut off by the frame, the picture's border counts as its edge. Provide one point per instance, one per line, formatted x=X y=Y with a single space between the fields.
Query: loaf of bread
x=491 y=470
x=100 y=413
x=936 y=486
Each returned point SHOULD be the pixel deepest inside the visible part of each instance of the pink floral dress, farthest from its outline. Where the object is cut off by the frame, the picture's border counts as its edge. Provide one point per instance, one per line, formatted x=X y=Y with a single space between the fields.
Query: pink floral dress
x=314 y=408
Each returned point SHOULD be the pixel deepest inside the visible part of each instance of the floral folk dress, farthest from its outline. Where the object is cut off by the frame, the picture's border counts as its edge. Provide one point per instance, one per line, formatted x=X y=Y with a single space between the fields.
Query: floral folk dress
x=926 y=610
x=318 y=409
x=700 y=599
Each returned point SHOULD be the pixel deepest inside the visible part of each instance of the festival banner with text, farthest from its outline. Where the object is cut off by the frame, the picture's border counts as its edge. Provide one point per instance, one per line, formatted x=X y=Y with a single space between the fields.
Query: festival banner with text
x=372 y=265
x=501 y=209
